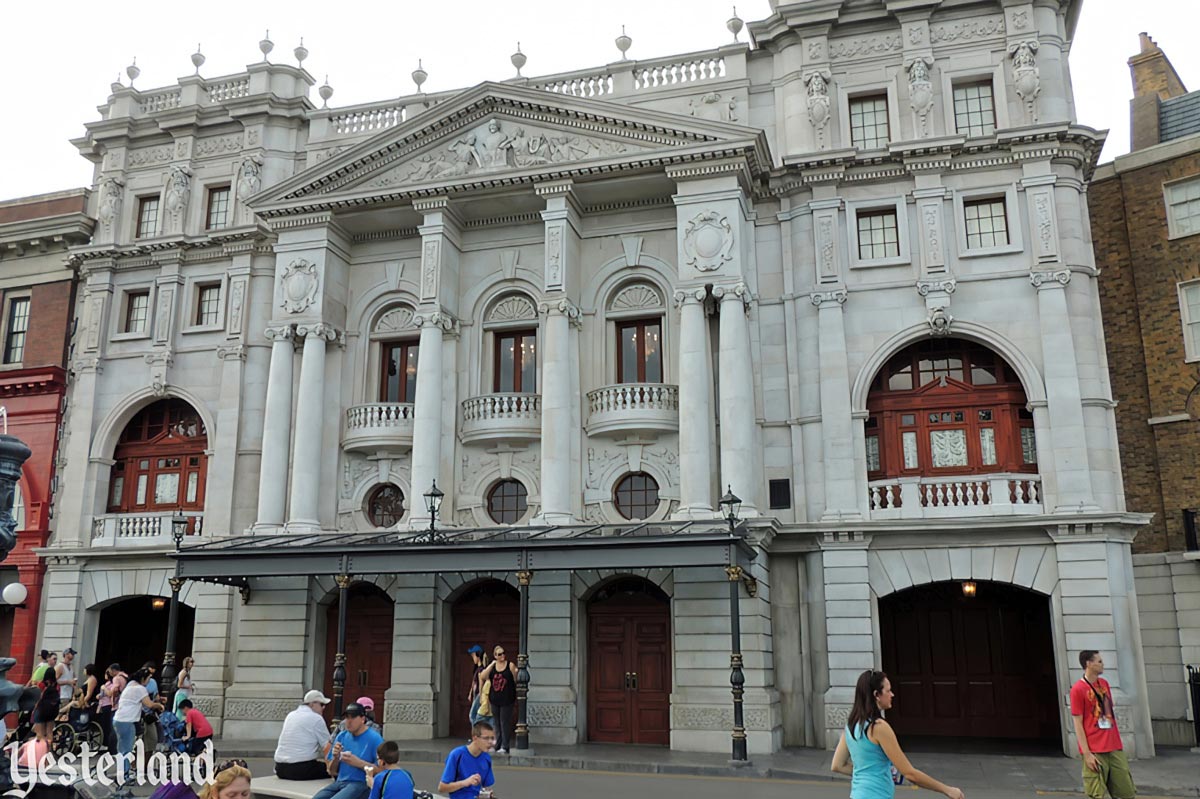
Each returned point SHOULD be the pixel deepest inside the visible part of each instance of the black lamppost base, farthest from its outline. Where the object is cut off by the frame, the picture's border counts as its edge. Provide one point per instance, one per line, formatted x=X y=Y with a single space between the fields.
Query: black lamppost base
x=740 y=763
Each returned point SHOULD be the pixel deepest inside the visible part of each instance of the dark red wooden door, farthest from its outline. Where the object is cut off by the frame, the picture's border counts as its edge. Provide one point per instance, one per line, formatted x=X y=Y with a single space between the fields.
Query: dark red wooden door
x=368 y=647
x=629 y=671
x=488 y=615
x=980 y=667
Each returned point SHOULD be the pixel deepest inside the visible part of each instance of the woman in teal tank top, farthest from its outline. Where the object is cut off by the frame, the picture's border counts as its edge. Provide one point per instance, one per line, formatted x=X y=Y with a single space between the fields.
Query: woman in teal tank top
x=868 y=749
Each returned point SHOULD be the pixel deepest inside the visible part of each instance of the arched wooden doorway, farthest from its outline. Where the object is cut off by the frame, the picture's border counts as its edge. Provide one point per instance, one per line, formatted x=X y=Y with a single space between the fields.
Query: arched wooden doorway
x=369 y=614
x=134 y=630
x=487 y=614
x=629 y=664
x=965 y=666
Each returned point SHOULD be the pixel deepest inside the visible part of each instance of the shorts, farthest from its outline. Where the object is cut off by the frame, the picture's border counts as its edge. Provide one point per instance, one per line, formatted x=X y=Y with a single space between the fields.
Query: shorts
x=1113 y=777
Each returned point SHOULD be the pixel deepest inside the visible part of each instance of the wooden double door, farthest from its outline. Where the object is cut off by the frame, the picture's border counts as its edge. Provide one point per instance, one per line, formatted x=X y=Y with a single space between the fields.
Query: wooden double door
x=629 y=670
x=486 y=616
x=368 y=647
x=970 y=666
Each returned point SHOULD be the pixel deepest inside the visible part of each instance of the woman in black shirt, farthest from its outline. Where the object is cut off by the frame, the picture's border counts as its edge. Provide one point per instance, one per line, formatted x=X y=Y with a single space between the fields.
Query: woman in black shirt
x=503 y=676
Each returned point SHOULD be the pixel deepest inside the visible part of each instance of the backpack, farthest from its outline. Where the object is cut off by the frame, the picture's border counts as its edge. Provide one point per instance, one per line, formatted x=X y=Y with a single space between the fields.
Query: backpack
x=485 y=702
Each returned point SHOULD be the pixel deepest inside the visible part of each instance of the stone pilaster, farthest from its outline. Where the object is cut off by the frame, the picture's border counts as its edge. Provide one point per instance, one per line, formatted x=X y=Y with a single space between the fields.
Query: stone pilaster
x=427 y=425
x=695 y=405
x=842 y=497
x=559 y=345
x=307 y=450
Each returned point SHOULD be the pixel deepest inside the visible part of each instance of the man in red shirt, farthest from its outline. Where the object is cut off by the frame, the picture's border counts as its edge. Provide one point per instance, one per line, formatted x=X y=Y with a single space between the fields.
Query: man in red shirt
x=1104 y=764
x=199 y=731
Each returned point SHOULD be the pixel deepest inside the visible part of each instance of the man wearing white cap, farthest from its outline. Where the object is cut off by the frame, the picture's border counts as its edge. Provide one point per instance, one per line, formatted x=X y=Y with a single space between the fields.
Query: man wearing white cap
x=300 y=754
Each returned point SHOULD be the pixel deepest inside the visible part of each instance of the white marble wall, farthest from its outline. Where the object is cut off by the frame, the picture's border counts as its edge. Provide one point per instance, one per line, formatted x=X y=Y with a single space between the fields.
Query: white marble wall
x=1168 y=593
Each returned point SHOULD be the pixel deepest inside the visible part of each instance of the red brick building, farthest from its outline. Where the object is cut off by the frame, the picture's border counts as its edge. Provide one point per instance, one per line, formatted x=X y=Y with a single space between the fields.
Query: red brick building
x=1145 y=213
x=37 y=295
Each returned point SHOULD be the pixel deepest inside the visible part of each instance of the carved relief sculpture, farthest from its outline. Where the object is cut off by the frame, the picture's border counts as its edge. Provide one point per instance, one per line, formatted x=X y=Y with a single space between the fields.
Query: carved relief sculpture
x=708 y=241
x=299 y=286
x=818 y=103
x=554 y=253
x=1026 y=78
x=712 y=105
x=939 y=322
x=920 y=91
x=179 y=188
x=429 y=269
x=249 y=178
x=112 y=193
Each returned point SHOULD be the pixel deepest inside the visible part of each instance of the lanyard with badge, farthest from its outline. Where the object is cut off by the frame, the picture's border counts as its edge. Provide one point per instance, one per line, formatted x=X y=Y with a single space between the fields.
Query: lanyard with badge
x=1104 y=722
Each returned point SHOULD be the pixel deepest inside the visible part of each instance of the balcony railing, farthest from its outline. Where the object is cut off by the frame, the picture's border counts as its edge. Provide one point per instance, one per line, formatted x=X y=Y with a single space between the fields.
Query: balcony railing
x=379 y=426
x=502 y=416
x=946 y=497
x=633 y=408
x=141 y=529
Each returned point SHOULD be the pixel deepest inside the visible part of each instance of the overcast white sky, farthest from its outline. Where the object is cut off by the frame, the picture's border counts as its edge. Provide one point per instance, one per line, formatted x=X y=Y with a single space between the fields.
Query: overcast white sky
x=59 y=56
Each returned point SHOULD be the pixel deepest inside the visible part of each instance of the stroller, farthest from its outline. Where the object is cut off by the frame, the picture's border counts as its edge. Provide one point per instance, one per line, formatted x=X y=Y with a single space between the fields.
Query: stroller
x=171 y=730
x=80 y=728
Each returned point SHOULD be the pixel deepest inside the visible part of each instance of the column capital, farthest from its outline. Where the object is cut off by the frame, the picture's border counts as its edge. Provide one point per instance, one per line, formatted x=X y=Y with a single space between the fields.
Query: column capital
x=736 y=291
x=562 y=307
x=1049 y=278
x=342 y=580
x=280 y=332
x=440 y=319
x=688 y=296
x=822 y=298
x=319 y=330
x=946 y=286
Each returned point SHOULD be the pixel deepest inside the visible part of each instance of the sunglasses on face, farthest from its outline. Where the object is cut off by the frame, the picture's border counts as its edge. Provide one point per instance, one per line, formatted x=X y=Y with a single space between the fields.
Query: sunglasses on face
x=228 y=764
x=500 y=654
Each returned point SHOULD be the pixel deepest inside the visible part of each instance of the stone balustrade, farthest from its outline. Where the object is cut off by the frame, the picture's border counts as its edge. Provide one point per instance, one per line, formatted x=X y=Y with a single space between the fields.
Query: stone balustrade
x=633 y=408
x=947 y=497
x=141 y=529
x=379 y=426
x=502 y=416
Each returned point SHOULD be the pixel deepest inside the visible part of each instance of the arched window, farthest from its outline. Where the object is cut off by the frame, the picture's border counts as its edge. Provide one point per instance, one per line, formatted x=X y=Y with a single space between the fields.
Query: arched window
x=636 y=496
x=160 y=461
x=511 y=331
x=507 y=502
x=396 y=339
x=636 y=311
x=948 y=406
x=385 y=505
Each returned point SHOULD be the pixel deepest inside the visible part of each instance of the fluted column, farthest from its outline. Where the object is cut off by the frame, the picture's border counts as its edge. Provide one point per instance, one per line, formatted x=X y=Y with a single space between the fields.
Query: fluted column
x=695 y=407
x=427 y=414
x=277 y=429
x=557 y=345
x=740 y=456
x=310 y=407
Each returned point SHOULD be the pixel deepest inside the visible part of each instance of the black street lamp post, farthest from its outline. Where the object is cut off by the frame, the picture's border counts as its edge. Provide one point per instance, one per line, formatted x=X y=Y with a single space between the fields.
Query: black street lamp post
x=524 y=578
x=13 y=454
x=179 y=525
x=730 y=503
x=433 y=503
x=339 y=657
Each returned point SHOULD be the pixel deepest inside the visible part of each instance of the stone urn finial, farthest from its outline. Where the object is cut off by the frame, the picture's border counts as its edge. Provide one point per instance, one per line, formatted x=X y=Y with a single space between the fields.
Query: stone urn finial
x=326 y=91
x=734 y=24
x=266 y=45
x=518 y=59
x=623 y=43
x=198 y=59
x=132 y=71
x=116 y=85
x=301 y=53
x=419 y=75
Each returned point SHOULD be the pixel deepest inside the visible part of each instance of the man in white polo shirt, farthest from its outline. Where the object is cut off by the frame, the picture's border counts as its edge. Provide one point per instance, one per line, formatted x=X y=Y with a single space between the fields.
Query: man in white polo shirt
x=300 y=754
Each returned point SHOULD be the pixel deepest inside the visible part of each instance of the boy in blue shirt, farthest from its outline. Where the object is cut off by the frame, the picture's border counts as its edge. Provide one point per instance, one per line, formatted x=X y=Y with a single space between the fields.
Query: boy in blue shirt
x=353 y=750
x=469 y=768
x=386 y=778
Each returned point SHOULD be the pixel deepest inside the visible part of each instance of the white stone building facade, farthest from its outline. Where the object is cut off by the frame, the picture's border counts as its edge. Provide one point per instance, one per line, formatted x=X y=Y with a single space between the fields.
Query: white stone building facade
x=764 y=230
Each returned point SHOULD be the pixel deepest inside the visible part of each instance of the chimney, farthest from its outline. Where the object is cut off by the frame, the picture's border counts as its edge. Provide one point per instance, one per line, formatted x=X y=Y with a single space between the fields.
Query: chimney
x=1154 y=80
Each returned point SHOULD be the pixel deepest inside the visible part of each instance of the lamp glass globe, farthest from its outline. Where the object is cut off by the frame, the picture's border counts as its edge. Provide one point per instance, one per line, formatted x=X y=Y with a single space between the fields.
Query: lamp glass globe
x=15 y=593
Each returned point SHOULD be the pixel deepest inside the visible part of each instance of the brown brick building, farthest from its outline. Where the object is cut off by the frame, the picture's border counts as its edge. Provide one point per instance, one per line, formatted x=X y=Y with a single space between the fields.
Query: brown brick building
x=1145 y=214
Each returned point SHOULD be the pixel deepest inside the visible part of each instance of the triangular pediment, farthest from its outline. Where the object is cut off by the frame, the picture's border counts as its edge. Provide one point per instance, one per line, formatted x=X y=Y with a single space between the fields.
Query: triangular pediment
x=504 y=134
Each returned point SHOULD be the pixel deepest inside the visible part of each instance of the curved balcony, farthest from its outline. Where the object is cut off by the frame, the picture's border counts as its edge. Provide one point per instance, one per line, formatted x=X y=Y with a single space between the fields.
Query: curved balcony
x=633 y=408
x=379 y=426
x=495 y=417
x=145 y=529
x=950 y=497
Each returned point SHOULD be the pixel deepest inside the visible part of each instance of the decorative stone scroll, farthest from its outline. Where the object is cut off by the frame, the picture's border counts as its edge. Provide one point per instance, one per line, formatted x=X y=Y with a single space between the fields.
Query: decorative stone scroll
x=299 y=286
x=564 y=307
x=1050 y=279
x=636 y=297
x=408 y=712
x=708 y=241
x=397 y=320
x=822 y=298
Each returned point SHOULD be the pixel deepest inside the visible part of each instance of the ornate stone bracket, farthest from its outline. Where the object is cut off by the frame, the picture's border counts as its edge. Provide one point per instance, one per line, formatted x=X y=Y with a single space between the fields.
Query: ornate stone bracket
x=939 y=320
x=738 y=573
x=926 y=287
x=920 y=91
x=159 y=361
x=564 y=307
x=820 y=298
x=235 y=352
x=1049 y=279
x=818 y=102
x=88 y=365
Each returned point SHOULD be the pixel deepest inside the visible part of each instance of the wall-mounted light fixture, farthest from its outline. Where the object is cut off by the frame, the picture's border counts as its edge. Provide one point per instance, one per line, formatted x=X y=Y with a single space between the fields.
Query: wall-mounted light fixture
x=968 y=588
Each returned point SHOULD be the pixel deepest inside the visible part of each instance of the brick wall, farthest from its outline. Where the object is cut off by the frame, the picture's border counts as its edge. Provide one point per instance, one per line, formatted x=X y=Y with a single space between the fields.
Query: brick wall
x=50 y=313
x=1140 y=271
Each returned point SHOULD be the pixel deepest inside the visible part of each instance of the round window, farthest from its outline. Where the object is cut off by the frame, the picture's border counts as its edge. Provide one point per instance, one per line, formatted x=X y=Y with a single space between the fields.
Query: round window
x=385 y=505
x=507 y=502
x=636 y=496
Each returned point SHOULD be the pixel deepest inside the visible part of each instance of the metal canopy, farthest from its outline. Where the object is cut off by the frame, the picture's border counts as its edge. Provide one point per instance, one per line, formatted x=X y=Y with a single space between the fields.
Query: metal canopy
x=233 y=561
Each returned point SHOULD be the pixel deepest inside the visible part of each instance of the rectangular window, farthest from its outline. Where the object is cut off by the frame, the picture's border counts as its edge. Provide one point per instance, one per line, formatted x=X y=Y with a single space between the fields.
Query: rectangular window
x=869 y=122
x=137 y=311
x=218 y=208
x=147 y=220
x=987 y=224
x=1183 y=208
x=117 y=492
x=208 y=304
x=166 y=488
x=878 y=235
x=873 y=453
x=193 y=486
x=515 y=362
x=780 y=493
x=1028 y=446
x=142 y=481
x=987 y=446
x=18 y=326
x=974 y=109
x=908 y=441
x=639 y=351
x=1189 y=312
x=398 y=372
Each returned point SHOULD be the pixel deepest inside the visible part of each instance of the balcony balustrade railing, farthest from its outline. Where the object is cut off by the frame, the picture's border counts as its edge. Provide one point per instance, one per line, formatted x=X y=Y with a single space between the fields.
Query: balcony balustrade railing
x=141 y=529
x=633 y=407
x=968 y=495
x=499 y=416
